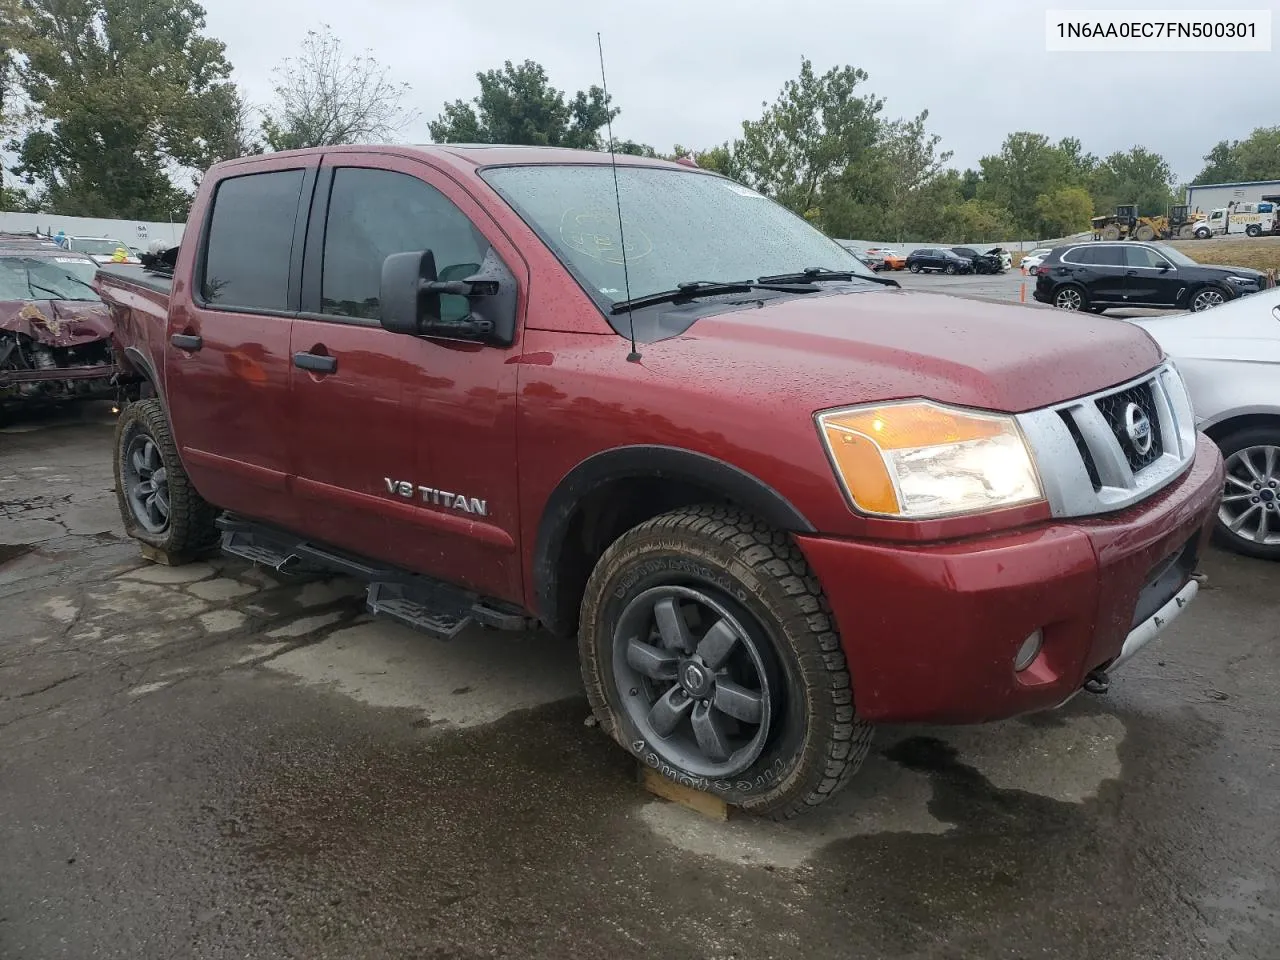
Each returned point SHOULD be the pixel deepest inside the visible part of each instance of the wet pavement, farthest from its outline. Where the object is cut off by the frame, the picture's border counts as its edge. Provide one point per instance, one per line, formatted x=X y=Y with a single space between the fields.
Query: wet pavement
x=206 y=761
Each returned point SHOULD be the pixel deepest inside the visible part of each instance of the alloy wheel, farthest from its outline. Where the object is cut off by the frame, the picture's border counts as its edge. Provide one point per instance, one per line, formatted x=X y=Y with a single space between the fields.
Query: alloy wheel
x=1206 y=299
x=1068 y=298
x=146 y=484
x=692 y=675
x=1250 y=507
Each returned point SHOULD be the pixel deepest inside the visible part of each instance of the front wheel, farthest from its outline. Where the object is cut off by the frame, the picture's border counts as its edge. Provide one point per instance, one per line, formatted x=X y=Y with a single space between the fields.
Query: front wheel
x=951 y=269
x=1249 y=514
x=1206 y=298
x=915 y=268
x=158 y=504
x=709 y=652
x=1202 y=234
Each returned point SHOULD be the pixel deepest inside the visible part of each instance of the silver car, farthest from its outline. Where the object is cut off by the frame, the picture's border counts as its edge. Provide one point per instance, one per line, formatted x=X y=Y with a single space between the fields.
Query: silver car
x=1230 y=360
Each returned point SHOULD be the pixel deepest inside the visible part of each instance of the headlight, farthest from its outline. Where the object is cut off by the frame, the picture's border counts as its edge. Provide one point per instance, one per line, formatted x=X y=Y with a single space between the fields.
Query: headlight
x=1248 y=280
x=918 y=459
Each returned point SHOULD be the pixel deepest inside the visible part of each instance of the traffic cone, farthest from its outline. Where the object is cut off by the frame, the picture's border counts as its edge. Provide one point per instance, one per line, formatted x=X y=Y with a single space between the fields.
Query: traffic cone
x=1022 y=293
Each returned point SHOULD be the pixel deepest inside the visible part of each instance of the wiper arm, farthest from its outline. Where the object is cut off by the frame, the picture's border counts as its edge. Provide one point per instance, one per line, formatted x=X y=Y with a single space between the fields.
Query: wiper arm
x=709 y=288
x=816 y=274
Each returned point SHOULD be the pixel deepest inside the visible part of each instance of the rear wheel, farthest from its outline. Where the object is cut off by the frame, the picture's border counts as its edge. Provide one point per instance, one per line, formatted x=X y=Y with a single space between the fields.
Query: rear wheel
x=1145 y=232
x=1111 y=232
x=709 y=652
x=1071 y=297
x=1186 y=233
x=1253 y=230
x=1249 y=515
x=915 y=268
x=158 y=504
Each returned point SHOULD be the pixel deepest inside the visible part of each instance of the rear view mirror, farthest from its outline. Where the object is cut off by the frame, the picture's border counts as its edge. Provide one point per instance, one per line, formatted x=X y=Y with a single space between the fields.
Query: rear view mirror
x=410 y=295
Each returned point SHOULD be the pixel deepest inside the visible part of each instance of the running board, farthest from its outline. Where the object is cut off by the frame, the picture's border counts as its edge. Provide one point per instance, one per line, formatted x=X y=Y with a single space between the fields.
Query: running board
x=432 y=606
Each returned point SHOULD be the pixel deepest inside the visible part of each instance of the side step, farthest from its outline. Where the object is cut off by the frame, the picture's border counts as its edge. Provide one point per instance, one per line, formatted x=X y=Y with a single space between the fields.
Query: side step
x=432 y=606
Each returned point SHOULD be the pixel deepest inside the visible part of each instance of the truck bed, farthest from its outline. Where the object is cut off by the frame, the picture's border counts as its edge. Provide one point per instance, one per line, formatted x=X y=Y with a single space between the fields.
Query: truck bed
x=139 y=302
x=127 y=273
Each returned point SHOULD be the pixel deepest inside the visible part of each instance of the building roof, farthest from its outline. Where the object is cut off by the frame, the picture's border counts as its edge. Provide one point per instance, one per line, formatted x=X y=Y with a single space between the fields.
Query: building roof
x=1241 y=183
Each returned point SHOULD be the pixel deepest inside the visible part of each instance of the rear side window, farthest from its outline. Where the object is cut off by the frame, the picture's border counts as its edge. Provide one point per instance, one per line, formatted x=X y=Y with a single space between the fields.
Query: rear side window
x=375 y=213
x=1084 y=255
x=251 y=240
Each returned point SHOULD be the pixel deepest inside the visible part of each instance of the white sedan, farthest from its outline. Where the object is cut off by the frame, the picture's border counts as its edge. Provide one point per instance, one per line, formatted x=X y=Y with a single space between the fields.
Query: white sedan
x=1035 y=258
x=1231 y=364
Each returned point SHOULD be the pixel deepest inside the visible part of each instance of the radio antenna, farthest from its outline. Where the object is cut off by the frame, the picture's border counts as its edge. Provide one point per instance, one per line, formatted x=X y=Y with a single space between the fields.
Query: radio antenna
x=634 y=355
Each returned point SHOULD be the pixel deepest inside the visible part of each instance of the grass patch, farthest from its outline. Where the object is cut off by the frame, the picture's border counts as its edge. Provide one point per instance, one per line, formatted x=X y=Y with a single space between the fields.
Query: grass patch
x=1260 y=254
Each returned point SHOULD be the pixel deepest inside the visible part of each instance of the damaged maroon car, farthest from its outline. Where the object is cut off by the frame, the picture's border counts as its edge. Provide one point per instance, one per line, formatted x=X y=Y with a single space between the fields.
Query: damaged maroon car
x=55 y=332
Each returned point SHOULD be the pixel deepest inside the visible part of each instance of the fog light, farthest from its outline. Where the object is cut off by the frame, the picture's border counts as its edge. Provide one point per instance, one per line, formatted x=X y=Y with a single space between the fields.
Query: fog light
x=1028 y=652
x=114 y=408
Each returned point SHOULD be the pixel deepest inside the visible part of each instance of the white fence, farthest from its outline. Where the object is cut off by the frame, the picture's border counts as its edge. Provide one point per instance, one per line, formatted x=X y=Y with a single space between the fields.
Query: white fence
x=136 y=233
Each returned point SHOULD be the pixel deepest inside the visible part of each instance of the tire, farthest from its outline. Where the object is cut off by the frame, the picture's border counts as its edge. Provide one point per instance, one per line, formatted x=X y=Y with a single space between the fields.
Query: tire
x=1145 y=233
x=914 y=268
x=177 y=520
x=1206 y=298
x=1260 y=445
x=1253 y=230
x=738 y=571
x=1069 y=296
x=1203 y=233
x=1186 y=233
x=951 y=269
x=1111 y=232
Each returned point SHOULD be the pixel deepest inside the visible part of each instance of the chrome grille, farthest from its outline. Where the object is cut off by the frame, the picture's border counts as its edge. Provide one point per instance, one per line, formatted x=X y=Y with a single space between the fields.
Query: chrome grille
x=1090 y=451
x=1114 y=408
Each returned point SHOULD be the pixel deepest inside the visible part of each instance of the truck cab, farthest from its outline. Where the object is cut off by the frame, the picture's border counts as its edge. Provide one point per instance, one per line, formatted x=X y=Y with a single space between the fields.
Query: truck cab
x=776 y=498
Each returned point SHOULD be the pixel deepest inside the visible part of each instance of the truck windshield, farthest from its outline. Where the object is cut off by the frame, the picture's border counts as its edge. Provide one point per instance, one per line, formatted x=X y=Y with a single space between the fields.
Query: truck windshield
x=680 y=226
x=35 y=278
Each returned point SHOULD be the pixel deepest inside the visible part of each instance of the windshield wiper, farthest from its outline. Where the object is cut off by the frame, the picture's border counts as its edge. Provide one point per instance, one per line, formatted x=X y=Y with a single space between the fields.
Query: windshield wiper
x=710 y=288
x=817 y=274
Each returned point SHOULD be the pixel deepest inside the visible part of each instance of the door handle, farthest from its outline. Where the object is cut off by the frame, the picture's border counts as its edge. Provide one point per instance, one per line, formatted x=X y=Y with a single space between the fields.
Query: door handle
x=1131 y=273
x=315 y=362
x=187 y=341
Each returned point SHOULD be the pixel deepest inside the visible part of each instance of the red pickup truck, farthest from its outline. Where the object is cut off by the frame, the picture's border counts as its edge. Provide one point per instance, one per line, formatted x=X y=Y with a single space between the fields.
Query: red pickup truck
x=803 y=502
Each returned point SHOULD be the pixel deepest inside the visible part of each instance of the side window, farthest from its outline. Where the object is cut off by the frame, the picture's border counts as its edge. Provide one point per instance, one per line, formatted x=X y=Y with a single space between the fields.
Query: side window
x=1142 y=257
x=1083 y=255
x=1109 y=256
x=375 y=213
x=246 y=261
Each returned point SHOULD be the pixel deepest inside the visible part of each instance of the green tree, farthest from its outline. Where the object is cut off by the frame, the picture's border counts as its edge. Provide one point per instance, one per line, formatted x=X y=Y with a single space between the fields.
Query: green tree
x=1221 y=165
x=1257 y=157
x=1027 y=166
x=721 y=159
x=973 y=221
x=1136 y=175
x=325 y=96
x=517 y=104
x=815 y=131
x=121 y=92
x=1063 y=212
x=910 y=163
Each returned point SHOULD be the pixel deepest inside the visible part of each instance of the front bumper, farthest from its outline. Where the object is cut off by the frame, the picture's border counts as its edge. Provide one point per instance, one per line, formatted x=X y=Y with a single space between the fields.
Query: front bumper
x=930 y=631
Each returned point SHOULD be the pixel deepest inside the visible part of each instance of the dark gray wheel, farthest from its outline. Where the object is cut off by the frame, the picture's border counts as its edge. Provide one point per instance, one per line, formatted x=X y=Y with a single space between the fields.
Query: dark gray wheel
x=1203 y=233
x=158 y=504
x=146 y=486
x=1249 y=515
x=1070 y=298
x=1253 y=230
x=699 y=669
x=914 y=268
x=708 y=651
x=951 y=269
x=1206 y=298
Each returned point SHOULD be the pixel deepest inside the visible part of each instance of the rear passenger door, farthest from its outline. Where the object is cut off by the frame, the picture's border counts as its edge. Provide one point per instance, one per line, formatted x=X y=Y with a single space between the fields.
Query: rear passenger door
x=392 y=411
x=227 y=364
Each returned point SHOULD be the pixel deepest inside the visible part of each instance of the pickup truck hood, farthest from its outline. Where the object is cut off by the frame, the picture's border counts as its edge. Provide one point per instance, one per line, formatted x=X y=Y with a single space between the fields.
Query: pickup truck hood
x=893 y=344
x=57 y=323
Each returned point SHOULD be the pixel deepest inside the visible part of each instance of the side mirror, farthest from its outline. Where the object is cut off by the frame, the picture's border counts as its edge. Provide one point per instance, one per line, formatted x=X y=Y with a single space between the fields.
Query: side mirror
x=1164 y=265
x=410 y=295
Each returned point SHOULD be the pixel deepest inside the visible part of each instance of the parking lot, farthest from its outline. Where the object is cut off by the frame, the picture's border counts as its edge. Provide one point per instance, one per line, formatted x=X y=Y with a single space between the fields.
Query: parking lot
x=206 y=761
x=1008 y=287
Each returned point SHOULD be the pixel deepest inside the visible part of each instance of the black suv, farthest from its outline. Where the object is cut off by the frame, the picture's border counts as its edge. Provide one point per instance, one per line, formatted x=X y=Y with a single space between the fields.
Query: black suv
x=981 y=262
x=1095 y=276
x=937 y=258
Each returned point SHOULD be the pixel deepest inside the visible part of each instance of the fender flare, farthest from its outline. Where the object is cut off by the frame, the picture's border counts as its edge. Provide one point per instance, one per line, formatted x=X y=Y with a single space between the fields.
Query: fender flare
x=650 y=461
x=142 y=363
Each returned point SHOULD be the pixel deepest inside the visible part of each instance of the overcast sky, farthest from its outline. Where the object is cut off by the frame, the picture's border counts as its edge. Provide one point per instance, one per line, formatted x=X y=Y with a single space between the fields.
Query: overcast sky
x=689 y=71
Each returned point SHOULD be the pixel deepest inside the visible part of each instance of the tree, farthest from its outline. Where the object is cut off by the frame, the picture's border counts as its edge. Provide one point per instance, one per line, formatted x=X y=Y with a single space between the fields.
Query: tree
x=813 y=133
x=1063 y=212
x=121 y=94
x=910 y=163
x=234 y=129
x=1134 y=176
x=1257 y=157
x=973 y=221
x=1028 y=166
x=517 y=104
x=721 y=159
x=325 y=96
